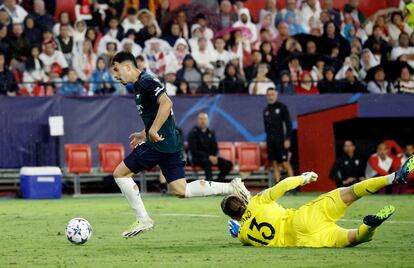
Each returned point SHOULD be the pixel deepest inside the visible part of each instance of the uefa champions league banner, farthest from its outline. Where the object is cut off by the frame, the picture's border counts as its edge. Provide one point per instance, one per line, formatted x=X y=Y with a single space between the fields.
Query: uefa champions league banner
x=25 y=138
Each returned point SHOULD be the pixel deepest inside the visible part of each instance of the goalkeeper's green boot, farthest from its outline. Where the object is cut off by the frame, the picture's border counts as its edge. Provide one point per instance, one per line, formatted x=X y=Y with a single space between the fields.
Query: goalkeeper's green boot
x=405 y=172
x=382 y=215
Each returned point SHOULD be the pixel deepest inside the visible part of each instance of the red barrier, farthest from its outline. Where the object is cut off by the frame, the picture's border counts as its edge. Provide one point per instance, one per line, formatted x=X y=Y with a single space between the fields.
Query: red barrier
x=316 y=143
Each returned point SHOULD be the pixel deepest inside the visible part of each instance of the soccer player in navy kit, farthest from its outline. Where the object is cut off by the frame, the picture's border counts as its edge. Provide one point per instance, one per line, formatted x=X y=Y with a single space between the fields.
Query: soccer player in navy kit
x=159 y=144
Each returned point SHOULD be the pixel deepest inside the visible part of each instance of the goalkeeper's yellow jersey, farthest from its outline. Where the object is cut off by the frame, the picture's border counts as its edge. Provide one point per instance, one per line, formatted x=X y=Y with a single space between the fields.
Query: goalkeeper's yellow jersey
x=266 y=223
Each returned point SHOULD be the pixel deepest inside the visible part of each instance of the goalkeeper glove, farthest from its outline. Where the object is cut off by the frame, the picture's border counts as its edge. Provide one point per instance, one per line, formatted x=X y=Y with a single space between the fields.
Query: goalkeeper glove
x=234 y=227
x=309 y=177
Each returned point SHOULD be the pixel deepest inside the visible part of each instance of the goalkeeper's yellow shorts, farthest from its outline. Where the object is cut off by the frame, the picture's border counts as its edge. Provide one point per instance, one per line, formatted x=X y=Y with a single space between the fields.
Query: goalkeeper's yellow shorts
x=314 y=223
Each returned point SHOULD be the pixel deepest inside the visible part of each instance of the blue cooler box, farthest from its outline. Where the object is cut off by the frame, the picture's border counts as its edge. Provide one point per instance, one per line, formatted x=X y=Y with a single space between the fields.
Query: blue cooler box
x=40 y=182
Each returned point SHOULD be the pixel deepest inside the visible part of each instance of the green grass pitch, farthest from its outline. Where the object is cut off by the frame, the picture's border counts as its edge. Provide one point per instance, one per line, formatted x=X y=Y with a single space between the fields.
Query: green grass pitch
x=188 y=233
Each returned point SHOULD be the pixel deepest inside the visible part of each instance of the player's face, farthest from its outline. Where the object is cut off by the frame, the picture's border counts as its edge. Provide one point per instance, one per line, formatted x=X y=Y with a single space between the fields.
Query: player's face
x=122 y=72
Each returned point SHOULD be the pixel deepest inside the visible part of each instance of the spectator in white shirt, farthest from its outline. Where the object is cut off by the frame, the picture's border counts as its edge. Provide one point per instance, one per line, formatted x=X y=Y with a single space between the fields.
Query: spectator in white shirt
x=63 y=19
x=222 y=57
x=397 y=26
x=79 y=32
x=261 y=83
x=311 y=11
x=51 y=55
x=203 y=56
x=131 y=21
x=403 y=52
x=246 y=21
x=15 y=11
x=203 y=22
x=84 y=61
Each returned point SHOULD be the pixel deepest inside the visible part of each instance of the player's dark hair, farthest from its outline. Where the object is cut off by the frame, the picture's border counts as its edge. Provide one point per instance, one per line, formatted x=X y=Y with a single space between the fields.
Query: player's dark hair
x=122 y=56
x=271 y=88
x=233 y=206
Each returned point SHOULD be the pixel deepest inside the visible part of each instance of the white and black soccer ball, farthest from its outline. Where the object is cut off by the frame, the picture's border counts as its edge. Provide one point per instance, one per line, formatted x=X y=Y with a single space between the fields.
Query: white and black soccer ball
x=78 y=231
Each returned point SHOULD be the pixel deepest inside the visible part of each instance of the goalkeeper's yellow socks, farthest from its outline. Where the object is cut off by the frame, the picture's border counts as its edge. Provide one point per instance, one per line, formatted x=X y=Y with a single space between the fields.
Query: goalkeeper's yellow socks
x=370 y=186
x=365 y=233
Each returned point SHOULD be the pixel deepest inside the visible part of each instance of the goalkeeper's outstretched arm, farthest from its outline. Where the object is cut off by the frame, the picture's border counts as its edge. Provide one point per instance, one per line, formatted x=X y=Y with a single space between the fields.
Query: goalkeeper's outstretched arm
x=277 y=191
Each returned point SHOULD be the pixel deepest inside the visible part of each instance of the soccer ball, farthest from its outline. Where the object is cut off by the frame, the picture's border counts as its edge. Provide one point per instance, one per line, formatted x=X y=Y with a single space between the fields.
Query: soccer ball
x=78 y=231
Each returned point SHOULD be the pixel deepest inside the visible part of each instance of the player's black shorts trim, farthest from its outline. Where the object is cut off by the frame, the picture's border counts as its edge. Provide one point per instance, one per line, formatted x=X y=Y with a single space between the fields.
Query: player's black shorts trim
x=276 y=151
x=144 y=157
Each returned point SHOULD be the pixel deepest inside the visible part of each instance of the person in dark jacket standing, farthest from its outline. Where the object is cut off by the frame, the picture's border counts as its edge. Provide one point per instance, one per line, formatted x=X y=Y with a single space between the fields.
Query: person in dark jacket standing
x=278 y=128
x=203 y=149
x=348 y=168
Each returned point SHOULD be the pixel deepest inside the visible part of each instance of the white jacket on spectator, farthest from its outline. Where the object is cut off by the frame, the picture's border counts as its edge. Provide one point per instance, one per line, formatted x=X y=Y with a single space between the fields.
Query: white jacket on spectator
x=222 y=58
x=396 y=52
x=104 y=41
x=135 y=48
x=262 y=86
x=57 y=57
x=134 y=25
x=309 y=16
x=251 y=26
x=157 y=54
x=204 y=58
x=84 y=65
x=394 y=31
x=375 y=162
x=17 y=15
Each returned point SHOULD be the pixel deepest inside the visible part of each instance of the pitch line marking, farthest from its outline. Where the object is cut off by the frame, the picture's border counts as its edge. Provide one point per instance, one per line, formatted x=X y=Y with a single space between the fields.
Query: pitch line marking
x=216 y=216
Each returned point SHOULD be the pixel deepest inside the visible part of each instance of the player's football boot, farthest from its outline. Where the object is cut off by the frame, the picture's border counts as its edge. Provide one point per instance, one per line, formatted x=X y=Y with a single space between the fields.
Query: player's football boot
x=405 y=172
x=137 y=228
x=240 y=190
x=380 y=217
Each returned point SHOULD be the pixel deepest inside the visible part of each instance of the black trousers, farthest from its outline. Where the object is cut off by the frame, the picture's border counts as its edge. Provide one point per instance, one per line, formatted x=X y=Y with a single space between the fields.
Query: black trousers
x=224 y=166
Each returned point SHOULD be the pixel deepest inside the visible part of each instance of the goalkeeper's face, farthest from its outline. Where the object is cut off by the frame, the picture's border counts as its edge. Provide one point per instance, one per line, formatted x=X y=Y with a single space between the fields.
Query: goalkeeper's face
x=233 y=206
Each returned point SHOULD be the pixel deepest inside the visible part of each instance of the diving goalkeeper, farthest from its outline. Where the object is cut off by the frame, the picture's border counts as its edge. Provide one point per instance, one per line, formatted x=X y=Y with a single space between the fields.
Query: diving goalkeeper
x=263 y=222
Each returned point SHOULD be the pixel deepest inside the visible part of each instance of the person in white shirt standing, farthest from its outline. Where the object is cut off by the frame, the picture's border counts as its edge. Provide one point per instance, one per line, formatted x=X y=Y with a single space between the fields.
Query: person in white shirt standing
x=51 y=55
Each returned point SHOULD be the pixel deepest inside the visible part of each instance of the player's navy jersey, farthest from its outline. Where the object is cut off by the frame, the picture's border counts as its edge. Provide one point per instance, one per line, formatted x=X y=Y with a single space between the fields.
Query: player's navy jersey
x=147 y=90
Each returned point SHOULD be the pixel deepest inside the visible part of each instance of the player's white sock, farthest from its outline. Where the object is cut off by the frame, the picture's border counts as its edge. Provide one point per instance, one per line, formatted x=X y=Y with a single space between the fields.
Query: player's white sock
x=130 y=189
x=206 y=188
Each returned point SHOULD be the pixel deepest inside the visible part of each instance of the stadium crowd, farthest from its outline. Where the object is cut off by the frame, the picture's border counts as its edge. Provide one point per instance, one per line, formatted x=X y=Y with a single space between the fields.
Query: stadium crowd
x=207 y=47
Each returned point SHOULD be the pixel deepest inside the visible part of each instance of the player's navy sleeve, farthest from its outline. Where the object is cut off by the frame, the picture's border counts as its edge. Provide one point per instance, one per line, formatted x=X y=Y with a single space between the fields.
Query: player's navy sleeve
x=153 y=86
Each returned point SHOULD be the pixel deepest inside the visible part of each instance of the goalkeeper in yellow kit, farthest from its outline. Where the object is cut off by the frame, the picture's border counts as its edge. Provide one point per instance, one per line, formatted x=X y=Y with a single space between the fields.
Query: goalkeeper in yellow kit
x=263 y=222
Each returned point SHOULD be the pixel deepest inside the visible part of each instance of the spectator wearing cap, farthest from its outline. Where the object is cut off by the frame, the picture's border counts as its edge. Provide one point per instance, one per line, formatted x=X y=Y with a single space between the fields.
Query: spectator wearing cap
x=32 y=34
x=328 y=84
x=306 y=84
x=72 y=86
x=285 y=86
x=379 y=85
x=19 y=46
x=42 y=18
x=8 y=85
x=231 y=82
x=131 y=21
x=352 y=8
x=405 y=83
x=260 y=84
x=51 y=56
x=15 y=11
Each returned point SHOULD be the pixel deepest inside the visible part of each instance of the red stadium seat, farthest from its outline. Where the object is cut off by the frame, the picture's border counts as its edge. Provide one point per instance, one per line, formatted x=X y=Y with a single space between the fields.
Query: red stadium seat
x=227 y=151
x=78 y=158
x=248 y=155
x=110 y=155
x=68 y=6
x=264 y=160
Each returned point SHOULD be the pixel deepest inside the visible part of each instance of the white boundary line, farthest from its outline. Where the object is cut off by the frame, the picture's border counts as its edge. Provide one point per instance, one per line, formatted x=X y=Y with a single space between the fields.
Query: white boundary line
x=216 y=216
